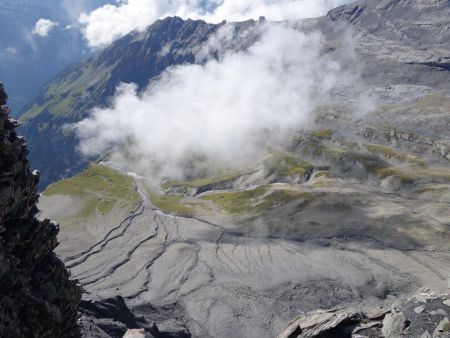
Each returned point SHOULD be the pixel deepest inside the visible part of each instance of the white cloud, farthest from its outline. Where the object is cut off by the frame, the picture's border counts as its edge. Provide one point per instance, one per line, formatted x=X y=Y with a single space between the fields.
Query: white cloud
x=109 y=22
x=43 y=27
x=223 y=109
x=11 y=50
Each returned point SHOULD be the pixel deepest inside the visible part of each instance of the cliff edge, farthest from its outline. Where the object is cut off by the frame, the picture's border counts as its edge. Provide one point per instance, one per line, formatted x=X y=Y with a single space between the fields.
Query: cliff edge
x=37 y=298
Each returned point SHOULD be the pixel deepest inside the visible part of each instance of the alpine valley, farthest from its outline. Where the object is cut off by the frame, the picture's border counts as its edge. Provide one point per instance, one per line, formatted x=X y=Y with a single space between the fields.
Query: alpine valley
x=317 y=235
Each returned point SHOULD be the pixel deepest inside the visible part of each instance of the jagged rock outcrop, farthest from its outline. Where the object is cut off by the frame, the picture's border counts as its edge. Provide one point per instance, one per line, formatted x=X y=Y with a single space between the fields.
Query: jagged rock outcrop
x=37 y=297
x=400 y=41
x=105 y=318
x=426 y=314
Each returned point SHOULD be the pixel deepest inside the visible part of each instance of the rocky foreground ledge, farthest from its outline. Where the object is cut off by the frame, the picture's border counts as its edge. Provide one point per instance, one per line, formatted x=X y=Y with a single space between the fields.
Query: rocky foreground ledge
x=425 y=315
x=37 y=298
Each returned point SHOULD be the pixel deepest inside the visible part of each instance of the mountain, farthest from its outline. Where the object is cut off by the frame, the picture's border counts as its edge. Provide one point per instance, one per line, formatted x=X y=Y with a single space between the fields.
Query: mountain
x=137 y=58
x=37 y=297
x=350 y=212
x=414 y=50
x=401 y=41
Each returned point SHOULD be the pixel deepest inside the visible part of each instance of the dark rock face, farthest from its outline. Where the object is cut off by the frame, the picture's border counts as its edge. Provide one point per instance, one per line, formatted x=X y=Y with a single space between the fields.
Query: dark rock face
x=37 y=298
x=105 y=318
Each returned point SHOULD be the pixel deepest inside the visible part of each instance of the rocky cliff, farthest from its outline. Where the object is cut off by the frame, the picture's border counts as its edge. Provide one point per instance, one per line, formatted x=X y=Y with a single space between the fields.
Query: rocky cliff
x=37 y=298
x=423 y=315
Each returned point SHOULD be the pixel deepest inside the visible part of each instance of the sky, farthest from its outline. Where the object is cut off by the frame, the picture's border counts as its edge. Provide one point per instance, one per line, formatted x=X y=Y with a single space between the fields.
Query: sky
x=35 y=43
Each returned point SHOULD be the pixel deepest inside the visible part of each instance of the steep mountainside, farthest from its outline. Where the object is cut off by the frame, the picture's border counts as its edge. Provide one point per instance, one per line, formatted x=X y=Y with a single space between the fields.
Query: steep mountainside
x=37 y=299
x=398 y=42
x=138 y=58
x=401 y=41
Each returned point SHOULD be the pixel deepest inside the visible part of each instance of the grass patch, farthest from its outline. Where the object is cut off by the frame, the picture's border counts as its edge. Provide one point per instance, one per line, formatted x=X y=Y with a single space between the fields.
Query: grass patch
x=411 y=176
x=322 y=174
x=63 y=97
x=322 y=183
x=367 y=160
x=100 y=186
x=385 y=151
x=280 y=197
x=254 y=200
x=372 y=164
x=388 y=152
x=237 y=202
x=284 y=165
x=200 y=182
x=170 y=203
x=384 y=172
x=326 y=134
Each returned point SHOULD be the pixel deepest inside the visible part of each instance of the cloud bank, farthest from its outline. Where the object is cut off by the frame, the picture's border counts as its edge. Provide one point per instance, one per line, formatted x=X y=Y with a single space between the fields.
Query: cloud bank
x=43 y=27
x=223 y=110
x=109 y=22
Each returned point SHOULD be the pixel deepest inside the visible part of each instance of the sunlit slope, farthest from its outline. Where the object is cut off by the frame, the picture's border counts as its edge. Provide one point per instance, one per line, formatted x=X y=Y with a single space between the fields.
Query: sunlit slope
x=87 y=205
x=384 y=183
x=102 y=189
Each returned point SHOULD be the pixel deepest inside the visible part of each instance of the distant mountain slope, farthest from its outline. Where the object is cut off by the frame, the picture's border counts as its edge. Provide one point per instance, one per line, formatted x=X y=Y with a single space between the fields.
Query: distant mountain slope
x=398 y=42
x=401 y=41
x=138 y=58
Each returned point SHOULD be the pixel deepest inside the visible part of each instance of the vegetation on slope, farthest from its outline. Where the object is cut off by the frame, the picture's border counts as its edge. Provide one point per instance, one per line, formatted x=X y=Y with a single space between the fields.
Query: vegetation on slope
x=388 y=152
x=255 y=200
x=202 y=182
x=101 y=187
x=326 y=134
x=169 y=203
x=285 y=165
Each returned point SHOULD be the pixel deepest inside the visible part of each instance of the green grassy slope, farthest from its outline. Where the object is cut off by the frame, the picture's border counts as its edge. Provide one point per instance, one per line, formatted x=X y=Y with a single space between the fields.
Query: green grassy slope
x=100 y=187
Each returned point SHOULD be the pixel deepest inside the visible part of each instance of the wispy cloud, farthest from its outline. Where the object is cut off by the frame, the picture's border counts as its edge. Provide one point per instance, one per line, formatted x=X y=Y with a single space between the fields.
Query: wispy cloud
x=11 y=50
x=109 y=22
x=223 y=109
x=43 y=27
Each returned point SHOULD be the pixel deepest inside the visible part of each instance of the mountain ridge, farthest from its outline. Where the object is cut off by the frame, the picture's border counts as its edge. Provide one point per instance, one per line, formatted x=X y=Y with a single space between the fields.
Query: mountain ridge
x=87 y=85
x=139 y=58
